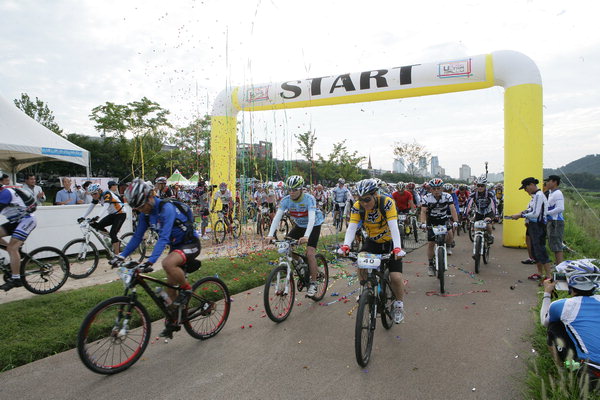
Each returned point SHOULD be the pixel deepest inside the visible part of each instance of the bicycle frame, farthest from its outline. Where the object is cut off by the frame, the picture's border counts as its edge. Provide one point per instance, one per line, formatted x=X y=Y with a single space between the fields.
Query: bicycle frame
x=479 y=232
x=87 y=229
x=440 y=241
x=287 y=260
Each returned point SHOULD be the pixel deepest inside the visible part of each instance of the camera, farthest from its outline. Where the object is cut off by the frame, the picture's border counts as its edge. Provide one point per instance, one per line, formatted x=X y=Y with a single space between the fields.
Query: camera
x=561 y=281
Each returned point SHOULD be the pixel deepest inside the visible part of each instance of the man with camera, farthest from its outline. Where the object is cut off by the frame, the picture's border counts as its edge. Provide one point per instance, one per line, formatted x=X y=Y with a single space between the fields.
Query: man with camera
x=574 y=323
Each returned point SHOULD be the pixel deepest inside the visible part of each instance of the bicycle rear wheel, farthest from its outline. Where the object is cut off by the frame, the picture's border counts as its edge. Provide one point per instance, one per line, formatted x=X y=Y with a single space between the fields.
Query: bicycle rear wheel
x=140 y=253
x=387 y=299
x=44 y=270
x=83 y=258
x=236 y=228
x=365 y=327
x=441 y=260
x=322 y=278
x=114 y=335
x=477 y=255
x=208 y=308
x=279 y=294
x=283 y=229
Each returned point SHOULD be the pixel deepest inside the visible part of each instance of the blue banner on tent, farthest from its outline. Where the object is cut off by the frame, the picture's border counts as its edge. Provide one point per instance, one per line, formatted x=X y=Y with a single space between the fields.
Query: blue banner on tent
x=61 y=152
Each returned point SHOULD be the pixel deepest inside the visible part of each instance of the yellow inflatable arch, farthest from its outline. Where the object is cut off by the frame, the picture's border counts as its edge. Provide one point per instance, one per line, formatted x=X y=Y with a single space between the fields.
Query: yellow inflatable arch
x=515 y=72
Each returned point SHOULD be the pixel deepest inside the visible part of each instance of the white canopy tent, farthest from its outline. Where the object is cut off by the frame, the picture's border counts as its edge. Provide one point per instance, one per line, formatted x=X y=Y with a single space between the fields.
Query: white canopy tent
x=24 y=142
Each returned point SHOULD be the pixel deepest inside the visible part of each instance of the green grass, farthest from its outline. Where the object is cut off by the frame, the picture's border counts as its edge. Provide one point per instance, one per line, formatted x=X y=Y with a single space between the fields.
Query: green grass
x=41 y=326
x=582 y=228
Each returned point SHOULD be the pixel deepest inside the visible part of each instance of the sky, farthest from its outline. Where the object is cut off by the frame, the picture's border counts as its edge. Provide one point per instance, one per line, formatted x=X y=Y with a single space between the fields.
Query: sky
x=75 y=55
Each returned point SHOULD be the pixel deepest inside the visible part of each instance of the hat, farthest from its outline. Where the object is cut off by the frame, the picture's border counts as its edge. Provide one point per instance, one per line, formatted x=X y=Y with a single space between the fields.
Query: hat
x=554 y=178
x=112 y=183
x=528 y=181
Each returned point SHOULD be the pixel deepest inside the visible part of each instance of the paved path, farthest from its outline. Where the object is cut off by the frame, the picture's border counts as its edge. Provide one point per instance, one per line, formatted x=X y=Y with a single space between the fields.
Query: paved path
x=469 y=346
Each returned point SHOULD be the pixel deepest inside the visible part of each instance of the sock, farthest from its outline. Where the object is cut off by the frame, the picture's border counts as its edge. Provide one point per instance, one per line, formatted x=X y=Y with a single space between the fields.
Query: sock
x=16 y=276
x=187 y=286
x=399 y=303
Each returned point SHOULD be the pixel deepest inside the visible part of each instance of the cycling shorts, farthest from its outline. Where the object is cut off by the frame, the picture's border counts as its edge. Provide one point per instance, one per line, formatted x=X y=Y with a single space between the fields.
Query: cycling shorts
x=188 y=251
x=21 y=230
x=382 y=248
x=435 y=222
x=481 y=217
x=298 y=232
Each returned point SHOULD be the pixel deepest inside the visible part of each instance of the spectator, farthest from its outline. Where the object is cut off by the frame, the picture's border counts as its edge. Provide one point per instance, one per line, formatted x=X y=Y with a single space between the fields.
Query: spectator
x=4 y=180
x=556 y=220
x=67 y=195
x=536 y=214
x=574 y=323
x=85 y=195
x=33 y=189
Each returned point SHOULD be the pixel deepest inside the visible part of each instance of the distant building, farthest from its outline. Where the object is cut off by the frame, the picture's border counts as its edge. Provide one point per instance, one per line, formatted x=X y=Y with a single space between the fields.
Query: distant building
x=464 y=172
x=435 y=164
x=262 y=149
x=499 y=177
x=399 y=167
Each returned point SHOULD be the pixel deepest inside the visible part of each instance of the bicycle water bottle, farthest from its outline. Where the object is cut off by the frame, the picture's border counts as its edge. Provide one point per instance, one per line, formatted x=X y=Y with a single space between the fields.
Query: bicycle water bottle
x=163 y=295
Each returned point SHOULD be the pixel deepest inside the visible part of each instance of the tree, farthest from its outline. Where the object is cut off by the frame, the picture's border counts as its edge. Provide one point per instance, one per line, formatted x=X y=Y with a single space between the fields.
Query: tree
x=145 y=120
x=306 y=142
x=39 y=111
x=193 y=146
x=340 y=163
x=415 y=157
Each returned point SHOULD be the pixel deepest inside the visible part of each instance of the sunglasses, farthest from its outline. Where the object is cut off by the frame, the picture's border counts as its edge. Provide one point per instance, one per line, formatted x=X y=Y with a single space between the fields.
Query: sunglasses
x=365 y=199
x=294 y=190
x=480 y=185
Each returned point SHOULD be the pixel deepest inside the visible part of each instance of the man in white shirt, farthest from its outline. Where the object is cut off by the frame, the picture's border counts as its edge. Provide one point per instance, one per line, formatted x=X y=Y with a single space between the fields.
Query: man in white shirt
x=556 y=220
x=33 y=189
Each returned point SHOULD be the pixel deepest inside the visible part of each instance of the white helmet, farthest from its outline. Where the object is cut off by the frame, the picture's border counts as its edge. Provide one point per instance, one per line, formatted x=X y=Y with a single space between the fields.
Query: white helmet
x=581 y=274
x=137 y=193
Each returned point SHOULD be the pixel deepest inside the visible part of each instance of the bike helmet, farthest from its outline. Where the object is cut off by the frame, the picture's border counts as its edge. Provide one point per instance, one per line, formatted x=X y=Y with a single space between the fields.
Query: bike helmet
x=448 y=186
x=436 y=182
x=294 y=182
x=401 y=185
x=223 y=186
x=162 y=179
x=581 y=274
x=138 y=193
x=481 y=181
x=93 y=188
x=342 y=181
x=462 y=187
x=366 y=186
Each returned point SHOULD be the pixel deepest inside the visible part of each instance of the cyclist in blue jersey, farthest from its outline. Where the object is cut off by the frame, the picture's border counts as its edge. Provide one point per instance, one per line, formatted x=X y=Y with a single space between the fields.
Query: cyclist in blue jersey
x=340 y=195
x=302 y=208
x=574 y=323
x=175 y=229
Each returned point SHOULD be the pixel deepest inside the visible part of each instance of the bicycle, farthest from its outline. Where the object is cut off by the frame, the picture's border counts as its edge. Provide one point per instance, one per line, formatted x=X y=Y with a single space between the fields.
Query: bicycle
x=338 y=216
x=221 y=227
x=407 y=225
x=263 y=221
x=280 y=288
x=43 y=270
x=481 y=247
x=115 y=333
x=440 y=254
x=83 y=255
x=377 y=297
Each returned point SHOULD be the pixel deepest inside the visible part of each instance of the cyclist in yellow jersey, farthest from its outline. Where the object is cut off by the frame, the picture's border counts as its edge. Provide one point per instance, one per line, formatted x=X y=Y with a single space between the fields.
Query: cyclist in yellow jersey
x=380 y=220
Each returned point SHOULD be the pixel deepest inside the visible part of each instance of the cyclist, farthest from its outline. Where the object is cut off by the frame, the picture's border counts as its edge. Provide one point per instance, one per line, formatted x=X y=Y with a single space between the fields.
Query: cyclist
x=463 y=198
x=303 y=210
x=500 y=199
x=403 y=199
x=410 y=187
x=174 y=229
x=437 y=209
x=574 y=323
x=484 y=203
x=114 y=208
x=380 y=221
x=226 y=201
x=18 y=221
x=340 y=195
x=271 y=200
x=320 y=197
x=163 y=191
x=201 y=195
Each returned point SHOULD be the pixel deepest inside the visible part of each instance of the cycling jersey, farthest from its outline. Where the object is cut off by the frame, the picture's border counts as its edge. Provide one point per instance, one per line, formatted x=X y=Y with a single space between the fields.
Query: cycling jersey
x=438 y=209
x=298 y=209
x=416 y=197
x=165 y=193
x=581 y=317
x=161 y=219
x=225 y=197
x=374 y=223
x=320 y=195
x=463 y=197
x=113 y=202
x=19 y=223
x=556 y=205
x=271 y=198
x=341 y=194
x=499 y=195
x=402 y=200
x=537 y=209
x=484 y=203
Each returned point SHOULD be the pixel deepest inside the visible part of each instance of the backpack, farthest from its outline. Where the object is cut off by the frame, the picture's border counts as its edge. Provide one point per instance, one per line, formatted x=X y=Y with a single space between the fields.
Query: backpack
x=28 y=199
x=187 y=226
x=381 y=204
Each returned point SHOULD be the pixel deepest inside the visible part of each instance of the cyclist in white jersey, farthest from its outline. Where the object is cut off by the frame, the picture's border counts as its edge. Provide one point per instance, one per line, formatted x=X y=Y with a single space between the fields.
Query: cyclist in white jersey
x=340 y=195
x=226 y=198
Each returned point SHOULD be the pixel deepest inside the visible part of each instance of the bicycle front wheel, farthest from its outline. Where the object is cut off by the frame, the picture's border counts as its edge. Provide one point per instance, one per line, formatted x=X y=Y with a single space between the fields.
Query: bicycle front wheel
x=322 y=277
x=365 y=327
x=387 y=299
x=219 y=231
x=279 y=294
x=114 y=335
x=140 y=253
x=83 y=258
x=44 y=270
x=441 y=259
x=208 y=308
x=477 y=255
x=486 y=253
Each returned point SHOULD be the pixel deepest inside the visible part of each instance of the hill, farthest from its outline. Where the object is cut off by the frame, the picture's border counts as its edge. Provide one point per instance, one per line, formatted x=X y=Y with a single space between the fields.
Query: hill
x=589 y=164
